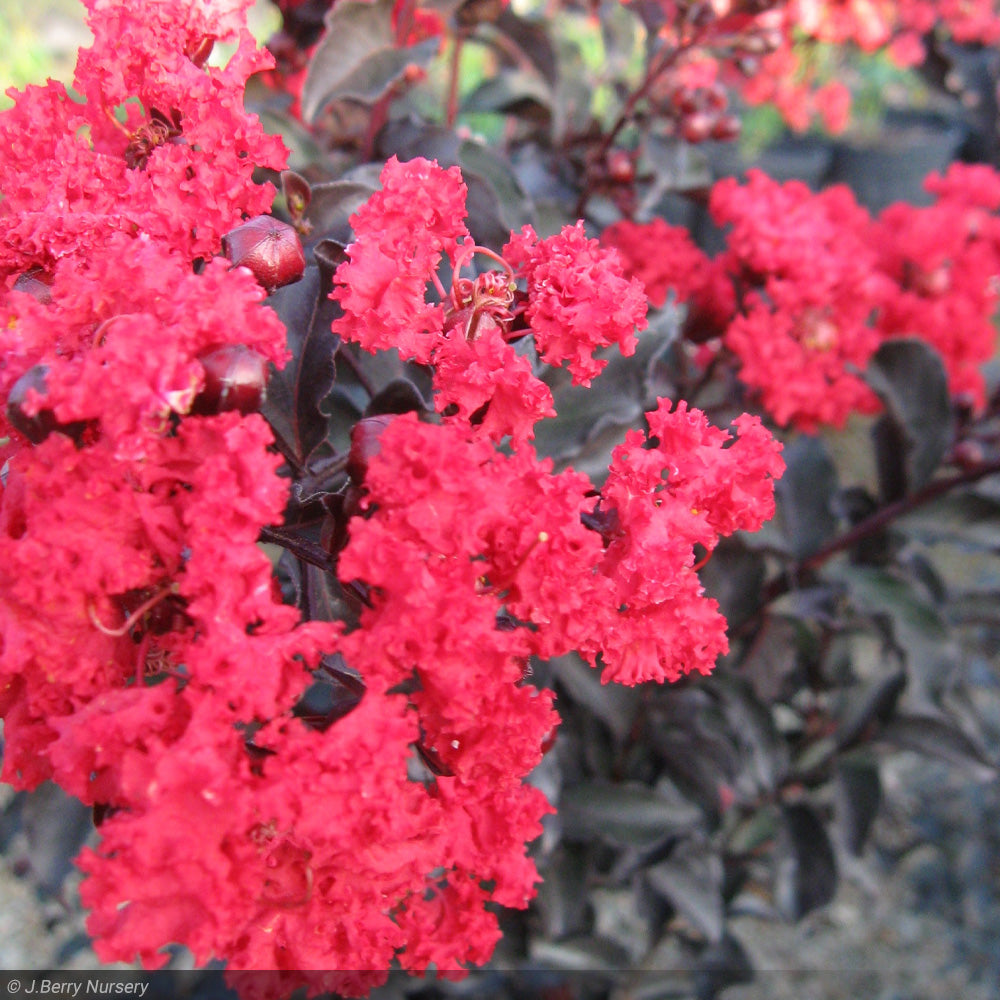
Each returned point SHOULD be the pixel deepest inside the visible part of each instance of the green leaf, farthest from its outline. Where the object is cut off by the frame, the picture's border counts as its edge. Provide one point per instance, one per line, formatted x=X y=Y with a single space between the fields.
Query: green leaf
x=909 y=377
x=357 y=57
x=627 y=814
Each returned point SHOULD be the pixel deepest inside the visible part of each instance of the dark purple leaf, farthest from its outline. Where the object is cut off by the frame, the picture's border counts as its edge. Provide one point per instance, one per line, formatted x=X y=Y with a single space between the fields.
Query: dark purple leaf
x=805 y=870
x=805 y=496
x=858 y=791
x=691 y=879
x=294 y=394
x=357 y=58
x=910 y=378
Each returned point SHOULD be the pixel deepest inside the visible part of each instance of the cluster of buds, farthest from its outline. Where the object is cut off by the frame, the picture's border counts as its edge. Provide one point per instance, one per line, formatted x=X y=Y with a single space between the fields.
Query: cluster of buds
x=697 y=114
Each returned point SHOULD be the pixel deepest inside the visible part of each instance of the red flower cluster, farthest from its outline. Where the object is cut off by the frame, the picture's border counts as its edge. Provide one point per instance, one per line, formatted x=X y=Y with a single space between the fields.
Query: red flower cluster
x=161 y=146
x=755 y=47
x=944 y=261
x=148 y=664
x=462 y=535
x=810 y=286
x=576 y=300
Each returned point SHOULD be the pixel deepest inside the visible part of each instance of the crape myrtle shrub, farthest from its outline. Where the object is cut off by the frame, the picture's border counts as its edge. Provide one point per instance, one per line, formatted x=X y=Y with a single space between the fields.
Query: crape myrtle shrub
x=351 y=477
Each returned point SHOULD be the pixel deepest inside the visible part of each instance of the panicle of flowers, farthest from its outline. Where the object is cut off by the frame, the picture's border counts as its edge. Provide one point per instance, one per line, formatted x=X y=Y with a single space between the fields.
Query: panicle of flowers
x=501 y=553
x=809 y=286
x=944 y=261
x=577 y=300
x=161 y=144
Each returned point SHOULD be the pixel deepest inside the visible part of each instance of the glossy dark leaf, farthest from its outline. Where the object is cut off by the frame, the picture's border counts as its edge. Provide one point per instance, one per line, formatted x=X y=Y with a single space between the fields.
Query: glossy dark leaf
x=579 y=954
x=764 y=751
x=562 y=894
x=399 y=396
x=722 y=964
x=734 y=576
x=357 y=57
x=331 y=205
x=939 y=738
x=805 y=870
x=889 y=441
x=512 y=92
x=294 y=394
x=879 y=591
x=515 y=207
x=627 y=814
x=910 y=379
x=614 y=704
x=691 y=879
x=805 y=496
x=964 y=519
x=532 y=39
x=858 y=791
x=583 y=414
x=873 y=703
x=334 y=693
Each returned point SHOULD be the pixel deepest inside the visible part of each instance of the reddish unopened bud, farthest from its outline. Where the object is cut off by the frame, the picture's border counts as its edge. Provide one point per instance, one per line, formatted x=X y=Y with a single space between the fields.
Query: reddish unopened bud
x=268 y=247
x=33 y=283
x=235 y=379
x=697 y=127
x=968 y=454
x=716 y=98
x=621 y=169
x=726 y=129
x=366 y=444
x=27 y=412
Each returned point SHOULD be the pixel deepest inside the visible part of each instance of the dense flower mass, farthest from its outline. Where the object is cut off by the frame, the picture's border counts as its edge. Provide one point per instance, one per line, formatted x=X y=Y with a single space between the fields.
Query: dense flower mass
x=576 y=302
x=461 y=533
x=154 y=660
x=944 y=261
x=161 y=146
x=809 y=286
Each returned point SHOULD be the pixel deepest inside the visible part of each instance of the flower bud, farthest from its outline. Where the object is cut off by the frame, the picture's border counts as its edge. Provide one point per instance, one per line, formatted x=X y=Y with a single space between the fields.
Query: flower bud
x=235 y=379
x=726 y=129
x=365 y=444
x=697 y=127
x=268 y=247
x=201 y=50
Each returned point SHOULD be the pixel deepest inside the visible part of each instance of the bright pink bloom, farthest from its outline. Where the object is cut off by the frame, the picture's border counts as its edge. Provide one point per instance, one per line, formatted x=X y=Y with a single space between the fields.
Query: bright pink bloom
x=401 y=235
x=578 y=299
x=812 y=285
x=944 y=261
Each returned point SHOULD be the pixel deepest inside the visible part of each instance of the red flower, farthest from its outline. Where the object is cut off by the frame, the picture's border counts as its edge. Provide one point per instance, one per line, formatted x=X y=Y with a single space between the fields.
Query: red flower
x=401 y=234
x=578 y=298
